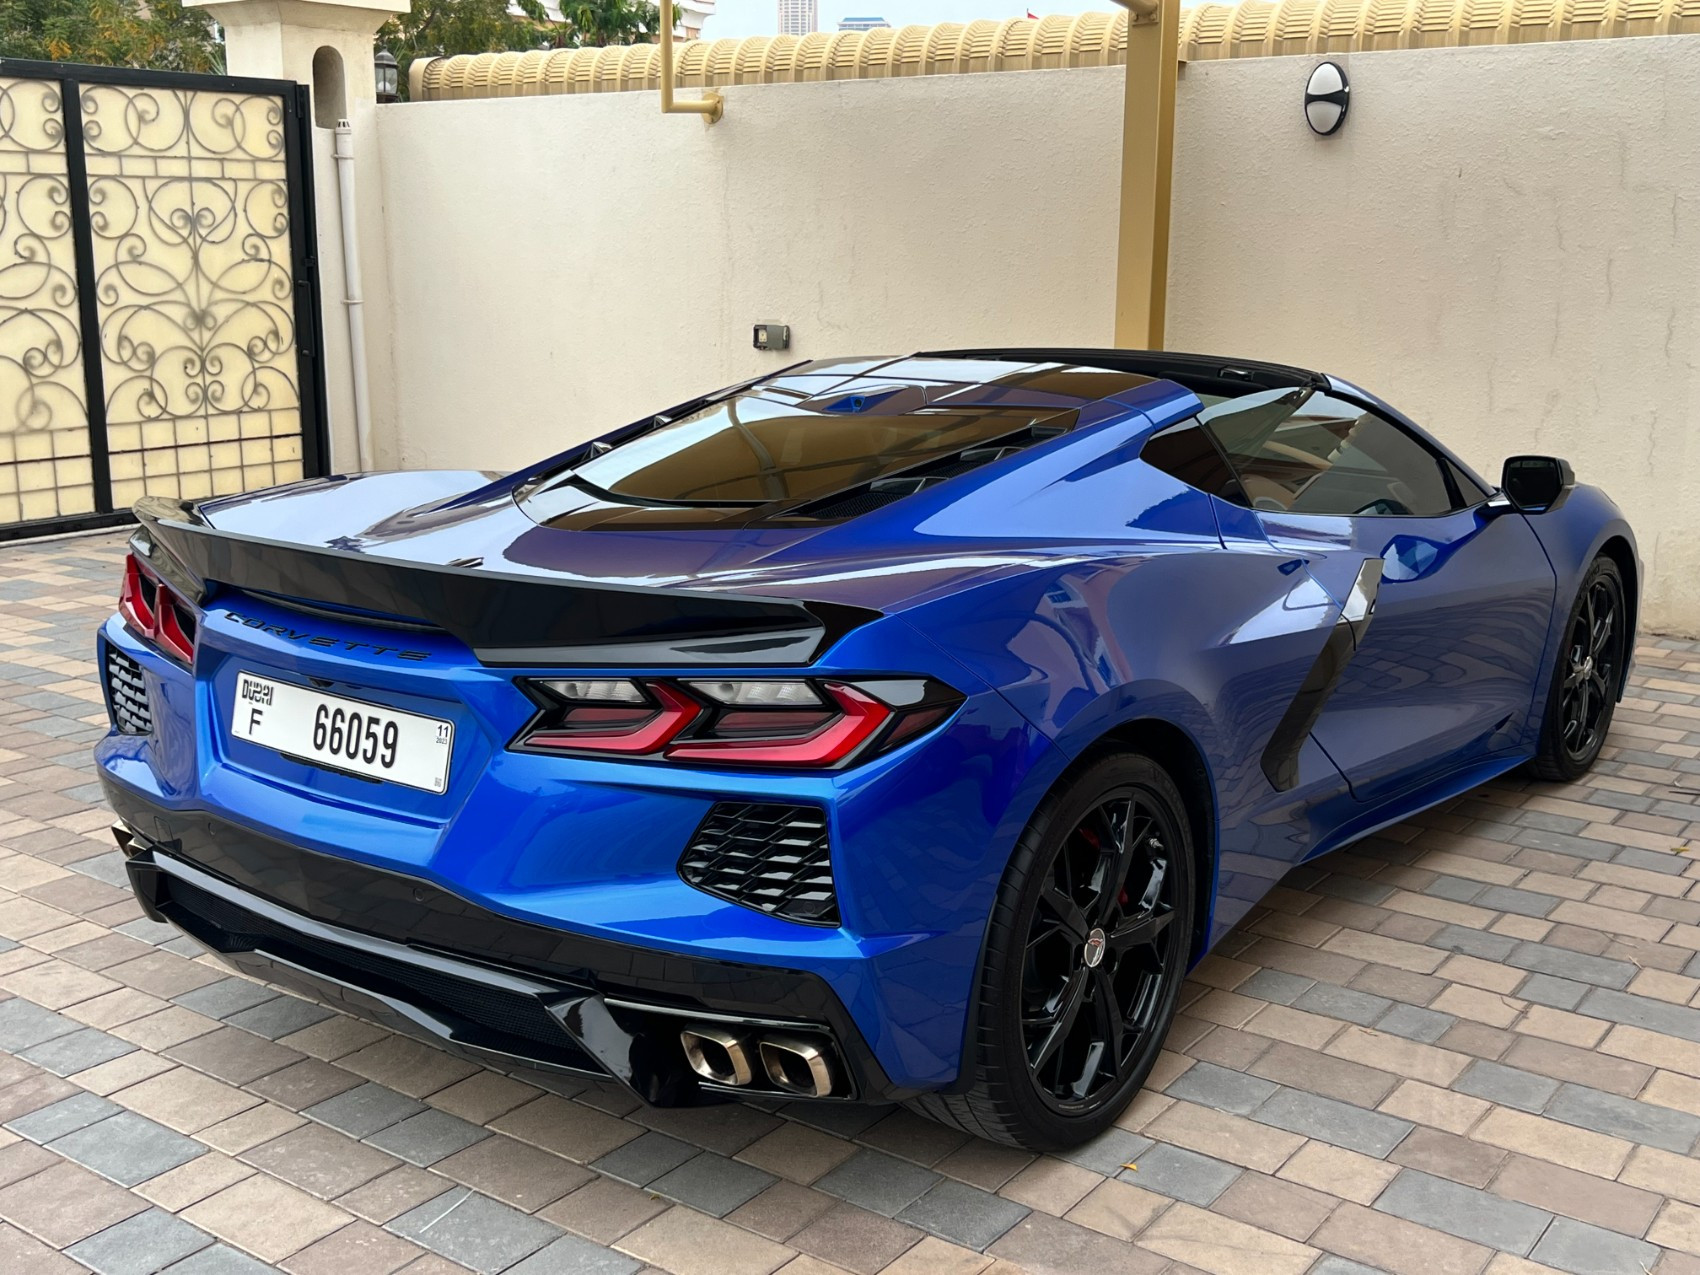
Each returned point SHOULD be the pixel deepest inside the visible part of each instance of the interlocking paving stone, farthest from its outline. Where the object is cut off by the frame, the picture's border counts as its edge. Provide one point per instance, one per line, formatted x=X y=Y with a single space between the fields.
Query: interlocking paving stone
x=1182 y=1174
x=1415 y=1023
x=219 y=1259
x=127 y=1148
x=1343 y=1002
x=24 y=1023
x=1329 y=1264
x=645 y=1158
x=713 y=1184
x=1339 y=1123
x=225 y=997
x=1274 y=986
x=63 y=1117
x=140 y=1245
x=1462 y=1211
x=1479 y=943
x=963 y=1214
x=1577 y=966
x=77 y=1051
x=878 y=1182
x=1641 y=1011
x=1625 y=1118
x=474 y=1230
x=1506 y=1085
x=1589 y=1250
x=428 y=1137
x=1557 y=993
x=108 y=867
x=279 y=1017
x=1218 y=1087
x=365 y=1109
x=1107 y=1152
x=571 y=1255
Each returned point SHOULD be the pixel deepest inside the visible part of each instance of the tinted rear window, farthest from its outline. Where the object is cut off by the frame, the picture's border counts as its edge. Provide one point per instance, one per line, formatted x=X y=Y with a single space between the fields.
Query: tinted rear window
x=752 y=450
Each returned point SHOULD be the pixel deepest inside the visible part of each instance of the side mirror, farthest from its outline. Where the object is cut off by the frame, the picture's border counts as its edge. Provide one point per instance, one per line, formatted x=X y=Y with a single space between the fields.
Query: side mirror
x=1535 y=484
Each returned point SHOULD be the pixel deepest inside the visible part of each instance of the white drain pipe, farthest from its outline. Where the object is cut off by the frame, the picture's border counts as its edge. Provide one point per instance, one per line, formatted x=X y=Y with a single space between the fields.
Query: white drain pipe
x=344 y=153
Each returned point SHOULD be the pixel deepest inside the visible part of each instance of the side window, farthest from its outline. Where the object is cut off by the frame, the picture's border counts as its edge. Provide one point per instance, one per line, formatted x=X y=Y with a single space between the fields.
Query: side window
x=1315 y=454
x=1187 y=452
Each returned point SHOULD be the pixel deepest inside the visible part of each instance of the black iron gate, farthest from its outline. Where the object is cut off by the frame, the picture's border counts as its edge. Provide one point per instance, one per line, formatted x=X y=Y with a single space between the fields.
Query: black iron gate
x=159 y=322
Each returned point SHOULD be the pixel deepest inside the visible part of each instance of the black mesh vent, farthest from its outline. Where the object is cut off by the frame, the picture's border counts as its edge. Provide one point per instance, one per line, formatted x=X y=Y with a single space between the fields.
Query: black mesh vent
x=771 y=858
x=127 y=694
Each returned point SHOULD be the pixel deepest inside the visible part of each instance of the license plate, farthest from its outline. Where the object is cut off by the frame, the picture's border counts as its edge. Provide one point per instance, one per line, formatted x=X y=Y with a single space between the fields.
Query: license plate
x=343 y=734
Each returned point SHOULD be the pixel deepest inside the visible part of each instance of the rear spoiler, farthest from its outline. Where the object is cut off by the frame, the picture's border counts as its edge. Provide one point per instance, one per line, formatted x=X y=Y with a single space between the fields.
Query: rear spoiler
x=506 y=619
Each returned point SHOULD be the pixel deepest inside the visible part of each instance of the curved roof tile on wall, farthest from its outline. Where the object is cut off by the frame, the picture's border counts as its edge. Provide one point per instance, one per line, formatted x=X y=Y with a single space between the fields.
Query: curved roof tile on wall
x=1254 y=28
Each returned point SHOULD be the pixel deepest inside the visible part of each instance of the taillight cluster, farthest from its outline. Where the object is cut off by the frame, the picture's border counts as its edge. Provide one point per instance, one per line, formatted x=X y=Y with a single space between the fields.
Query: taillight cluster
x=811 y=722
x=149 y=606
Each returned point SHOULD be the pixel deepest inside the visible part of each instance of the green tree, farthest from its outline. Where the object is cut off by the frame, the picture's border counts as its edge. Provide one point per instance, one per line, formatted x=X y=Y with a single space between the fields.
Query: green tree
x=600 y=22
x=159 y=34
x=444 y=28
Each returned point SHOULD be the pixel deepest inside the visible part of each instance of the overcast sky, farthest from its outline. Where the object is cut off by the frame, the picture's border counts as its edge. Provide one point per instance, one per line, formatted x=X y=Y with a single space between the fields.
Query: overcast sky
x=761 y=17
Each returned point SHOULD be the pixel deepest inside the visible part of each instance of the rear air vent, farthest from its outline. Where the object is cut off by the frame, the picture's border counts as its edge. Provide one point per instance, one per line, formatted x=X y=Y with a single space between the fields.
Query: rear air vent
x=772 y=858
x=882 y=491
x=127 y=694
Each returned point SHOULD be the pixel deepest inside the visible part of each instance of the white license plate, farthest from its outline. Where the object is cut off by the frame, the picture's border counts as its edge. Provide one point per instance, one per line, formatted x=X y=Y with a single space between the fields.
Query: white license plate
x=343 y=734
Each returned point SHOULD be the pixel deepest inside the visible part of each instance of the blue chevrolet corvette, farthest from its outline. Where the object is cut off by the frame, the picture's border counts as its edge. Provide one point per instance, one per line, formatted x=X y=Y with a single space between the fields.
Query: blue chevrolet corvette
x=879 y=730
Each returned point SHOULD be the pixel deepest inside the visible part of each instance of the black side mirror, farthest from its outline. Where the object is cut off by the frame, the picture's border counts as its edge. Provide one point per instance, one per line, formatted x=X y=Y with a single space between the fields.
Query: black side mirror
x=1535 y=484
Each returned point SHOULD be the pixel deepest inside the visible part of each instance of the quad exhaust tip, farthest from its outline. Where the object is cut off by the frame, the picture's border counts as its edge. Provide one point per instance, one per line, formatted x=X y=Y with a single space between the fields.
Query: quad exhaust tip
x=796 y=1065
x=724 y=1057
x=718 y=1055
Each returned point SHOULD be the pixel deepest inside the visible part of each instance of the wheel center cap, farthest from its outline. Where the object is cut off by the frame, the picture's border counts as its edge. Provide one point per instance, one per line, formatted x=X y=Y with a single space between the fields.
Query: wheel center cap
x=1093 y=953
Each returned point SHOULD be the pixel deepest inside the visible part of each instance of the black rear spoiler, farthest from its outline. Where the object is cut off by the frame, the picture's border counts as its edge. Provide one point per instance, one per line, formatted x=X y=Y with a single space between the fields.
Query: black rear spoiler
x=505 y=618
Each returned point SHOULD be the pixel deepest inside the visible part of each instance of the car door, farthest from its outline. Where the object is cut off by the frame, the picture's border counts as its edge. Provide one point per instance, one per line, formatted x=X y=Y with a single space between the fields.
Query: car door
x=1454 y=598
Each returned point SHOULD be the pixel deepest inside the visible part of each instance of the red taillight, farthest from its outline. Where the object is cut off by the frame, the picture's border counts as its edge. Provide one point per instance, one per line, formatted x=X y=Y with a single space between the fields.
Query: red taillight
x=620 y=727
x=136 y=598
x=858 y=719
x=735 y=722
x=156 y=613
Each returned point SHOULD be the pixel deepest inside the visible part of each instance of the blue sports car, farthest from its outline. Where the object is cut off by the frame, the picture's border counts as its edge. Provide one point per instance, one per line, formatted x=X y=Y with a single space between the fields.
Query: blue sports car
x=878 y=730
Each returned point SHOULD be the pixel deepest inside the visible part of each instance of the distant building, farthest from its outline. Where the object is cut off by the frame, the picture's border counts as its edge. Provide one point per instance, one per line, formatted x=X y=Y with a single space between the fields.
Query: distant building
x=862 y=24
x=798 y=17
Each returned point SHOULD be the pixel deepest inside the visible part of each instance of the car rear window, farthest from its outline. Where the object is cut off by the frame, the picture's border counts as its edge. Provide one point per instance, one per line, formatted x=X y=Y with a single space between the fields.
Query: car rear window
x=753 y=449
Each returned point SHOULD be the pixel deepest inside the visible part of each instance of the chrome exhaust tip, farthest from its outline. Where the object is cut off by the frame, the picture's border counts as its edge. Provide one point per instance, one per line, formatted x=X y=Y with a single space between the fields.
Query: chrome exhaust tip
x=796 y=1066
x=718 y=1055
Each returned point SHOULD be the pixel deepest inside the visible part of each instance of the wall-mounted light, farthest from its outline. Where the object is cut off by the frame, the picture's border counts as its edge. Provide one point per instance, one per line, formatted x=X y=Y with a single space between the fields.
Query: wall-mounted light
x=384 y=71
x=1327 y=95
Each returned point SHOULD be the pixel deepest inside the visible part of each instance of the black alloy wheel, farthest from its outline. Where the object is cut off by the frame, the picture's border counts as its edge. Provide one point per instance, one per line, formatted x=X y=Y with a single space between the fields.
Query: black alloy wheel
x=1592 y=661
x=1098 y=947
x=1085 y=952
x=1587 y=676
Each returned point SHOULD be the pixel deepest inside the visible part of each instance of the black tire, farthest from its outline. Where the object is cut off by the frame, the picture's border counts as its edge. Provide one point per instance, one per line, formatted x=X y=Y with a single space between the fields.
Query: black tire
x=1038 y=968
x=1586 y=676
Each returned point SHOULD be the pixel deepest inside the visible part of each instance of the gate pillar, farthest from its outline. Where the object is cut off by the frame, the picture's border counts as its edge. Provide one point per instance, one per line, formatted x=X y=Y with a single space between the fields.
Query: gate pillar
x=327 y=45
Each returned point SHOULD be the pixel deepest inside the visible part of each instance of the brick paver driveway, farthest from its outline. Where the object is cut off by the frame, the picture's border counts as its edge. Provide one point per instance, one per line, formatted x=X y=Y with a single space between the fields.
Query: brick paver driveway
x=1470 y=1044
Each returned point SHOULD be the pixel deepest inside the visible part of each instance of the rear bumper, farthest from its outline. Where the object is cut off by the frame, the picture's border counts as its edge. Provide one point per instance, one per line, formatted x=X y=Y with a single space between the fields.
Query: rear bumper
x=402 y=951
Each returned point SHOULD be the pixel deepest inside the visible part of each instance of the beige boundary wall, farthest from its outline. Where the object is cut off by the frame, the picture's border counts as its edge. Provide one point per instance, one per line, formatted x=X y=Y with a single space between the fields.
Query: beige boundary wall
x=1504 y=240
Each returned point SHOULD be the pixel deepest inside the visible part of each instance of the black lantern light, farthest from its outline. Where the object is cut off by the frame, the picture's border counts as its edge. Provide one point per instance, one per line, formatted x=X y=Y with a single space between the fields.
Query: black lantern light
x=384 y=71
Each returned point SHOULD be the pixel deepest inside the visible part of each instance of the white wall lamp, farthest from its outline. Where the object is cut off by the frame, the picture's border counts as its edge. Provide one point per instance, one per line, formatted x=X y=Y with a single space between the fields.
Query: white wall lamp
x=1327 y=95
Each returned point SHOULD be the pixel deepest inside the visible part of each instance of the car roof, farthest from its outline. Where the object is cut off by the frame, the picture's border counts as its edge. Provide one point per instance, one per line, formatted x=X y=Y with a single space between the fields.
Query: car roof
x=1213 y=374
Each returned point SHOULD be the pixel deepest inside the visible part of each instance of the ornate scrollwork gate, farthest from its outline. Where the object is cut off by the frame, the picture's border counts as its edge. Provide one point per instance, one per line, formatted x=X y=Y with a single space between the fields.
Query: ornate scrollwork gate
x=159 y=331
